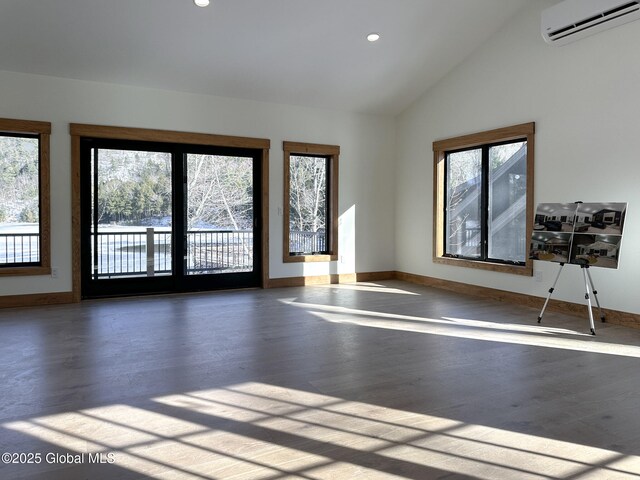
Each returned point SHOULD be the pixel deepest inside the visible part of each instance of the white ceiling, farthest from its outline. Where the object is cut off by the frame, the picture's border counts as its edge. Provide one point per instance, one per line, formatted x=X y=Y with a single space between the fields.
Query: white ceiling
x=301 y=52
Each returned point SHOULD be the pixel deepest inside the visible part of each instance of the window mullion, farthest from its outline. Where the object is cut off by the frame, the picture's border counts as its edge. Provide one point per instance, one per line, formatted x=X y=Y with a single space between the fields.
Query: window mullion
x=445 y=204
x=485 y=204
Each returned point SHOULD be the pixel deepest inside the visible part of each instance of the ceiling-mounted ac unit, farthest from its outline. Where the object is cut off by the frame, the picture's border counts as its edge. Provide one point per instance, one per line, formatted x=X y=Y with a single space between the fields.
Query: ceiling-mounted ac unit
x=573 y=19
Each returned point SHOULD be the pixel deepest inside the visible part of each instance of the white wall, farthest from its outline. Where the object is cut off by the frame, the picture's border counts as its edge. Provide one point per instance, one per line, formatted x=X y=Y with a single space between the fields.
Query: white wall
x=366 y=170
x=585 y=100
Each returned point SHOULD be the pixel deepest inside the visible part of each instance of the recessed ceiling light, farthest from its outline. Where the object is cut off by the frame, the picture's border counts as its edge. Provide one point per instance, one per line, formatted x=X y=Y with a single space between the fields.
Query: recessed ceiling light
x=201 y=3
x=373 y=37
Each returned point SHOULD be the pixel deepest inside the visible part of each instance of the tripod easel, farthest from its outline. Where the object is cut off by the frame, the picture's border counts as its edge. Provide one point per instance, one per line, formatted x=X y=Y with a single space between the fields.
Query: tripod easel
x=588 y=281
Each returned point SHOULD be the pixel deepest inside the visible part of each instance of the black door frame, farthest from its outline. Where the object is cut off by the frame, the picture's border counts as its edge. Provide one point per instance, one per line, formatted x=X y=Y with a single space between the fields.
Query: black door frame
x=178 y=281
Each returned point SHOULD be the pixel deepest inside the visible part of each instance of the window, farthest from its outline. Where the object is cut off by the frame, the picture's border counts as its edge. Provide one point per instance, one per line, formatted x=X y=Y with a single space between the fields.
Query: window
x=484 y=199
x=310 y=202
x=24 y=197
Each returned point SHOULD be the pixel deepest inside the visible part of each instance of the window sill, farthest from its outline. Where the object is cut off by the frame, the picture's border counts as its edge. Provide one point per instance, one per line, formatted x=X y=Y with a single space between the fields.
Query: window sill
x=525 y=270
x=23 y=271
x=310 y=258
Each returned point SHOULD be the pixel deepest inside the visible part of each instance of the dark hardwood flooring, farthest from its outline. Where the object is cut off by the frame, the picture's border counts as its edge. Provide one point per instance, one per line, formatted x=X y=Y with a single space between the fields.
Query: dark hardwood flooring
x=376 y=380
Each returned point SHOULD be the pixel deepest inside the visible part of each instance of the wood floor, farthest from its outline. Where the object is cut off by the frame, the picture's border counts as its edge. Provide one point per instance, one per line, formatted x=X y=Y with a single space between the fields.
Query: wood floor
x=363 y=381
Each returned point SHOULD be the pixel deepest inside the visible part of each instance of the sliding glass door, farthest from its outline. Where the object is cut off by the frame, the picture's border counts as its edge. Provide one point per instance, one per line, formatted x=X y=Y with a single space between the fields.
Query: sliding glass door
x=168 y=217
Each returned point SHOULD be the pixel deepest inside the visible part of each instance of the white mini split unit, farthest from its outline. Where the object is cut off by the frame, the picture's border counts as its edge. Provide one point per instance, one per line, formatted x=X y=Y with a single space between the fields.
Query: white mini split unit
x=574 y=19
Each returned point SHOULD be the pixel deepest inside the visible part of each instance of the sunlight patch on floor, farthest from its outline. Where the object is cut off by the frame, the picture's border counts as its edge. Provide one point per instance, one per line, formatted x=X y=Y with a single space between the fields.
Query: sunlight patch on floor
x=262 y=431
x=367 y=287
x=534 y=334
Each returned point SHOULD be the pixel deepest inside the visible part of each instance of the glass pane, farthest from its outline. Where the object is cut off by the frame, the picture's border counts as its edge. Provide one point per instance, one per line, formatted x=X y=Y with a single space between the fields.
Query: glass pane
x=131 y=213
x=19 y=201
x=464 y=203
x=308 y=208
x=219 y=226
x=507 y=202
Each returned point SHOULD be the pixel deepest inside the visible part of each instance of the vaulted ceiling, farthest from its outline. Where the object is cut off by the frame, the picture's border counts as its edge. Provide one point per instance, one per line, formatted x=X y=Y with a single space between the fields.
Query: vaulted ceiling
x=301 y=52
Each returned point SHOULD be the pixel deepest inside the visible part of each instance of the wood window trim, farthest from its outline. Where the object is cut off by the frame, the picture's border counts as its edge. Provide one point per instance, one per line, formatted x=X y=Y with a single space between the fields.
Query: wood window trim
x=440 y=147
x=333 y=153
x=43 y=130
x=78 y=131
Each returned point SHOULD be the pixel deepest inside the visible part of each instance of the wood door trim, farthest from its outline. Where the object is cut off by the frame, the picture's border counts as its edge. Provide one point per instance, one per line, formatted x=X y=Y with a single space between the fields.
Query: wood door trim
x=79 y=131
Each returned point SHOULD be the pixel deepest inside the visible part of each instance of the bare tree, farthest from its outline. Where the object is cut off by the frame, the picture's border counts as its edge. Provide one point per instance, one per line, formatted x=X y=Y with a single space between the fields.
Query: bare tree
x=220 y=191
x=307 y=193
x=19 y=181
